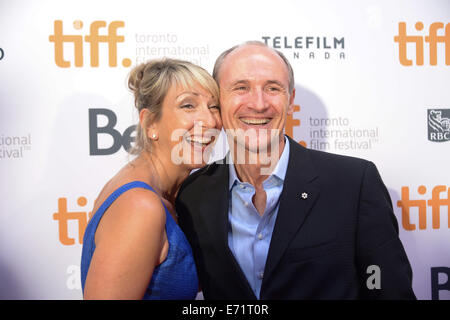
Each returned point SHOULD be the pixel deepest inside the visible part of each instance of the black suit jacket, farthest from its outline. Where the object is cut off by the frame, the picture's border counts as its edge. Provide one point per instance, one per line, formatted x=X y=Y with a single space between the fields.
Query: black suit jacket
x=321 y=245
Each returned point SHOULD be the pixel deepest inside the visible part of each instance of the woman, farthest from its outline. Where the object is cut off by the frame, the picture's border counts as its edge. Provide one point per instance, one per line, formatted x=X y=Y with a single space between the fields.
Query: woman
x=133 y=248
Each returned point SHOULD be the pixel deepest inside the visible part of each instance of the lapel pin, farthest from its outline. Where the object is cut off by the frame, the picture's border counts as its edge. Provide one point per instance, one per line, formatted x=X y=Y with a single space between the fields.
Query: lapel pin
x=304 y=195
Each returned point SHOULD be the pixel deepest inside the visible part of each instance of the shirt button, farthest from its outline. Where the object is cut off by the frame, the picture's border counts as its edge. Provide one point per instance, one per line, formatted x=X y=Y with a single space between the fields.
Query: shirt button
x=246 y=203
x=260 y=236
x=261 y=275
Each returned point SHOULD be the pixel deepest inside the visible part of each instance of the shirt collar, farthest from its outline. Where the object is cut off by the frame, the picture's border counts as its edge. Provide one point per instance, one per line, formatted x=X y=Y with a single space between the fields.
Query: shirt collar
x=279 y=171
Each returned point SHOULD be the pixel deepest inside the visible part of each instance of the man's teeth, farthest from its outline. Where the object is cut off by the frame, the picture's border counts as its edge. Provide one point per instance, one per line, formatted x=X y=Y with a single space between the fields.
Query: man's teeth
x=256 y=121
x=200 y=140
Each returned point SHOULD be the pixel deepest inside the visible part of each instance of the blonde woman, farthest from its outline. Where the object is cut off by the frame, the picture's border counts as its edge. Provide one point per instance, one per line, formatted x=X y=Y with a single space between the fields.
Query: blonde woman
x=133 y=247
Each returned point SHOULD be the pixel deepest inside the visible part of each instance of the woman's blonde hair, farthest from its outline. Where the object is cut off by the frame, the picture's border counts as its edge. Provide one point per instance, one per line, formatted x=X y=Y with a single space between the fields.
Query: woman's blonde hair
x=150 y=83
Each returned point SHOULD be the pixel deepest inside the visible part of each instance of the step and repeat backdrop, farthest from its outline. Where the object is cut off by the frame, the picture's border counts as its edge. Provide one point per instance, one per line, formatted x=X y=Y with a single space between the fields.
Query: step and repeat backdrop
x=372 y=81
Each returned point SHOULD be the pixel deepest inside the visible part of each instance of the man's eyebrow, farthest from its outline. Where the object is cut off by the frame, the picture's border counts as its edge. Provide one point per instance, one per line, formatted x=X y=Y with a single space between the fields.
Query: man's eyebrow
x=276 y=82
x=239 y=82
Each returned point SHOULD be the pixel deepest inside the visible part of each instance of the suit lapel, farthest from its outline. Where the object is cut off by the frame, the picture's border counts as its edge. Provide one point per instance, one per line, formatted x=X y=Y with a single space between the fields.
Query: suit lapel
x=299 y=194
x=215 y=209
x=218 y=195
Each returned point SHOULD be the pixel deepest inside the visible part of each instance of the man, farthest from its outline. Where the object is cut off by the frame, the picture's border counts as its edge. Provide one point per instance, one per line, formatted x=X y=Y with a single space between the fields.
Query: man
x=304 y=225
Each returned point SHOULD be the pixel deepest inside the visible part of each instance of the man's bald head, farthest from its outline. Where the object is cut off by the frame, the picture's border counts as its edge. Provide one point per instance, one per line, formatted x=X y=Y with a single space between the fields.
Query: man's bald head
x=222 y=57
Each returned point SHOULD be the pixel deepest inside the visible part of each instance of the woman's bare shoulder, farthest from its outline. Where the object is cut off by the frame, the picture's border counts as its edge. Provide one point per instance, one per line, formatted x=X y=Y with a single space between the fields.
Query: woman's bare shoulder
x=136 y=212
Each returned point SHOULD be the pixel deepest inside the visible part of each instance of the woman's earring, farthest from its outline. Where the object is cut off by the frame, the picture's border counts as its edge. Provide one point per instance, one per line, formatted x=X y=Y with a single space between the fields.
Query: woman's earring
x=154 y=136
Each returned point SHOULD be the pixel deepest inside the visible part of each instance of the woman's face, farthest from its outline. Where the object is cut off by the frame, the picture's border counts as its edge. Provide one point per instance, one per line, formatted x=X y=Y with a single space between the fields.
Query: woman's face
x=189 y=125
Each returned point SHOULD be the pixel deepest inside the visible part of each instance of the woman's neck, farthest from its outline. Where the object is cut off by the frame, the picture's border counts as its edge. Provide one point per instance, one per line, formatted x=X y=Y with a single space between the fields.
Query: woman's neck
x=165 y=176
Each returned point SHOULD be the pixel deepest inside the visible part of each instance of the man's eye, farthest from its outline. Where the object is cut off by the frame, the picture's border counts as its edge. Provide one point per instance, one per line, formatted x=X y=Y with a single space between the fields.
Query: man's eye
x=241 y=88
x=274 y=89
x=214 y=107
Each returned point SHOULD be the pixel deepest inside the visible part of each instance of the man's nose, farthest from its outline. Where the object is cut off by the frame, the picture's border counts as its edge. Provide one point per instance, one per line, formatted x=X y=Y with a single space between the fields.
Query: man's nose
x=258 y=100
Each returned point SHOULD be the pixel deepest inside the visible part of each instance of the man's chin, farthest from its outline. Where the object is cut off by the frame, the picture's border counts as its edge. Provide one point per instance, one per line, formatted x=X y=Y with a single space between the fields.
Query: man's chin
x=257 y=147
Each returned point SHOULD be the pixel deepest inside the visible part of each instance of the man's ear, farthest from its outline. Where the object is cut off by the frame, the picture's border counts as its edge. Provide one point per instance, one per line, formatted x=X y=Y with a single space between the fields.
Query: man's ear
x=291 y=102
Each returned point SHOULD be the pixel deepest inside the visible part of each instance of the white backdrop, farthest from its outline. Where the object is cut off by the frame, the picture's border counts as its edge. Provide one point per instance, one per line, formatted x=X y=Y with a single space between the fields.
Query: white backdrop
x=355 y=96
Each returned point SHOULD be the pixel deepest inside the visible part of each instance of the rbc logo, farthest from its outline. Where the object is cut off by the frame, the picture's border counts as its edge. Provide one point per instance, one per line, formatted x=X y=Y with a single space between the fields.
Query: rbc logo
x=119 y=140
x=439 y=125
x=94 y=38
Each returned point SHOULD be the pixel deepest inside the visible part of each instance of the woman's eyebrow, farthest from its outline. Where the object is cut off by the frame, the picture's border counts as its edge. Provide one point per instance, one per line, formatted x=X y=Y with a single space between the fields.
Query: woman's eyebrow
x=188 y=92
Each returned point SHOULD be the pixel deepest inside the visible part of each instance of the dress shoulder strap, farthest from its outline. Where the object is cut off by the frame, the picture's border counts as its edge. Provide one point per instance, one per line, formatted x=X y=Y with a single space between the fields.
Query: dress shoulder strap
x=119 y=191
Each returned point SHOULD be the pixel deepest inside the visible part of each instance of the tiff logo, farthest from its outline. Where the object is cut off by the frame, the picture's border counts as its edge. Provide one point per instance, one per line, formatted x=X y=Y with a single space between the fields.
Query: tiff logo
x=94 y=38
x=436 y=202
x=432 y=39
x=292 y=122
x=63 y=216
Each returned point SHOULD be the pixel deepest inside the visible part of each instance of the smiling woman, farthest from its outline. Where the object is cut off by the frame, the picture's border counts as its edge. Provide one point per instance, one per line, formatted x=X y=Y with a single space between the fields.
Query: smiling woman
x=151 y=82
x=133 y=247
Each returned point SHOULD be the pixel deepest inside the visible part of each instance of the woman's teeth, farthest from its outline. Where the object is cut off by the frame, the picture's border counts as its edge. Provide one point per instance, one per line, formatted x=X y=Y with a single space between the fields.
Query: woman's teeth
x=199 y=140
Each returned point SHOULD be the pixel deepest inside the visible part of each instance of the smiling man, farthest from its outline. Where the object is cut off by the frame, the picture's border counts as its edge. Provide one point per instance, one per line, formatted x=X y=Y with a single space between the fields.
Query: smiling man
x=277 y=220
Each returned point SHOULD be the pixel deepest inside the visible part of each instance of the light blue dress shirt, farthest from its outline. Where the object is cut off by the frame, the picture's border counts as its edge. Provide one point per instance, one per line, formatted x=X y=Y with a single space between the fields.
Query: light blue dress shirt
x=249 y=234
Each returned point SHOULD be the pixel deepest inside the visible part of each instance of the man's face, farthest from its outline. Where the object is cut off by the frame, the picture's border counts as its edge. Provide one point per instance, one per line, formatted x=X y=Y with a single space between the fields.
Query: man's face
x=254 y=97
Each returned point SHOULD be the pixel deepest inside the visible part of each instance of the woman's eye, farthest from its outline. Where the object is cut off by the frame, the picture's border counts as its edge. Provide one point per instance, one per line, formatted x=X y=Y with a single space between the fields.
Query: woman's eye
x=187 y=106
x=214 y=107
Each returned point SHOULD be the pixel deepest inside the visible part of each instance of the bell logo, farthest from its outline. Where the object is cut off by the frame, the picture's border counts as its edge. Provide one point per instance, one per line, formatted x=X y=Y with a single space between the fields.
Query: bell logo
x=119 y=140
x=432 y=39
x=436 y=202
x=94 y=38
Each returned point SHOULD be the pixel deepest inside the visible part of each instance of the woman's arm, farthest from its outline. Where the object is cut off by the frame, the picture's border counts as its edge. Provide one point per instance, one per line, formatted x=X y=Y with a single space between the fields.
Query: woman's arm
x=129 y=242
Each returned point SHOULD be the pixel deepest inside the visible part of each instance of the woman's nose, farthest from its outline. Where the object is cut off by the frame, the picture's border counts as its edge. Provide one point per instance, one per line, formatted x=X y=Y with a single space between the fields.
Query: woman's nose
x=208 y=119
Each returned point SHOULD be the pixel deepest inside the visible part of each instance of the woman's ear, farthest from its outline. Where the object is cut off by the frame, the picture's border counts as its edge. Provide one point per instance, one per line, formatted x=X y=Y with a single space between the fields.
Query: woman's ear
x=148 y=124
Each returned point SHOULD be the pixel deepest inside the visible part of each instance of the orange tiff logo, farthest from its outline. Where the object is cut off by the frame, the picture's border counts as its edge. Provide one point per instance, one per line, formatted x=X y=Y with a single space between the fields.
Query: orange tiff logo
x=291 y=122
x=418 y=41
x=63 y=216
x=436 y=202
x=94 y=38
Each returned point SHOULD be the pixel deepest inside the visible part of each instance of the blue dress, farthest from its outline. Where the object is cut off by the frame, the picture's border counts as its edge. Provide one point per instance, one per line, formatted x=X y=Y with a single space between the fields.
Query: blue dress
x=175 y=278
